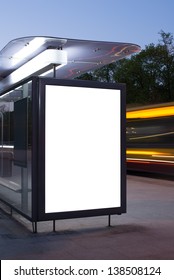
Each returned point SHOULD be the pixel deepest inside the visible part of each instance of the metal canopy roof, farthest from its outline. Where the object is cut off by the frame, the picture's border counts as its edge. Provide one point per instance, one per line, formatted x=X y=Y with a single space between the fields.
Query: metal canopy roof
x=82 y=55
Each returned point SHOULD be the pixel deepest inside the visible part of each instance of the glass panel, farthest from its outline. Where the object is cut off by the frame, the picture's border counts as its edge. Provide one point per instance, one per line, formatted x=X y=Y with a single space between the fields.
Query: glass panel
x=15 y=148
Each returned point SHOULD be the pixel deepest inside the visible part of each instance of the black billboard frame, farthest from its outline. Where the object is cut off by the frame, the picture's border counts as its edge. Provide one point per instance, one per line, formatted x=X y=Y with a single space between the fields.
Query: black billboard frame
x=41 y=215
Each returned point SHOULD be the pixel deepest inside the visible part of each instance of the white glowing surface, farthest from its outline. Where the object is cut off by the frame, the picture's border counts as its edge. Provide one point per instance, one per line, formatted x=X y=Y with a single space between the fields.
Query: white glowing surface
x=82 y=165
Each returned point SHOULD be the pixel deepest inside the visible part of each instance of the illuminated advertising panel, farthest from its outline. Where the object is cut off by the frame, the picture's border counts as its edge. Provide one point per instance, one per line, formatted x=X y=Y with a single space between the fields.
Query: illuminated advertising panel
x=83 y=149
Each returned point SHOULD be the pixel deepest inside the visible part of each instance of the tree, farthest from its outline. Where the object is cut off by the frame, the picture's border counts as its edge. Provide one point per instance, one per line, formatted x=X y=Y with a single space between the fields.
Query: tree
x=149 y=75
x=166 y=41
x=167 y=44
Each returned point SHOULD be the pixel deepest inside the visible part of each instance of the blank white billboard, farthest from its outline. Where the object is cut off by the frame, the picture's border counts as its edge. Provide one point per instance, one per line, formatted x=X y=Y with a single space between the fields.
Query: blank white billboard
x=82 y=148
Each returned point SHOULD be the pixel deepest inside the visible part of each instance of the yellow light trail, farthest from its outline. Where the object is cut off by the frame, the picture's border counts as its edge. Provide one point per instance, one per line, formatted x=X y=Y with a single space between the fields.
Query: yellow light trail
x=142 y=152
x=150 y=153
x=151 y=113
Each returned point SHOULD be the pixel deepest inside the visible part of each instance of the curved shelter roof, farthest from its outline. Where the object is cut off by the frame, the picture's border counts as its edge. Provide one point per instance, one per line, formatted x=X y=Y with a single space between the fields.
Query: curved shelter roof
x=82 y=55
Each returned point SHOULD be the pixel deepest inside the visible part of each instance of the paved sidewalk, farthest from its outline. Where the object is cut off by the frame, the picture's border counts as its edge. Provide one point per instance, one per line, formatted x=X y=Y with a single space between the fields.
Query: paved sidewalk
x=146 y=231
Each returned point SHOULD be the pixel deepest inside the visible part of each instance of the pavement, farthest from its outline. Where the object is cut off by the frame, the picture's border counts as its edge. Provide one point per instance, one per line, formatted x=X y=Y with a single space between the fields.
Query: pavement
x=145 y=232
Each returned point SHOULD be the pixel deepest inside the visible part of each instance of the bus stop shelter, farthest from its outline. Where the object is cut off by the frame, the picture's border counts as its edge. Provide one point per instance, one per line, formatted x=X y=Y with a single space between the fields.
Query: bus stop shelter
x=62 y=140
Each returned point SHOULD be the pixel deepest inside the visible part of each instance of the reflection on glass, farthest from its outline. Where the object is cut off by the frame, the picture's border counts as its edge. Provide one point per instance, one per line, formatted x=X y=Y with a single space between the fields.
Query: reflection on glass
x=15 y=148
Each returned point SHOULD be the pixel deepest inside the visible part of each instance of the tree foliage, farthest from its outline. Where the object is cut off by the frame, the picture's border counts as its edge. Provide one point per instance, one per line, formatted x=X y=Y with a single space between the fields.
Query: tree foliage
x=149 y=75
